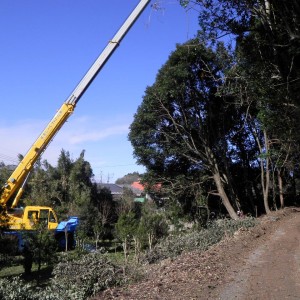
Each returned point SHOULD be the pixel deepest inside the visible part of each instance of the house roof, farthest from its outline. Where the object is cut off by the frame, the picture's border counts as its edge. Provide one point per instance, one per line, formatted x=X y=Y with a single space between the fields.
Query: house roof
x=115 y=189
x=137 y=185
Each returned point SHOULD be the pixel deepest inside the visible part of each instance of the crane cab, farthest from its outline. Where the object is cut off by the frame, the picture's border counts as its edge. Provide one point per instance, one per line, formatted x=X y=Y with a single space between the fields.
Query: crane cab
x=29 y=217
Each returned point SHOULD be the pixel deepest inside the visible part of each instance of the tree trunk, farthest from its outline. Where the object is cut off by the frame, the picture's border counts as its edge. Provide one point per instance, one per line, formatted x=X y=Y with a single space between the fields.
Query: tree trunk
x=265 y=174
x=150 y=240
x=66 y=239
x=137 y=247
x=125 y=249
x=96 y=241
x=265 y=183
x=280 y=186
x=217 y=178
x=223 y=195
x=264 y=167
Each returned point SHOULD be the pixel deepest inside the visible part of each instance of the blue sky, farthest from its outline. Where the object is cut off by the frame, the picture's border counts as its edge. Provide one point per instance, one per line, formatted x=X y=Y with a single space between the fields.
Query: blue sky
x=47 y=47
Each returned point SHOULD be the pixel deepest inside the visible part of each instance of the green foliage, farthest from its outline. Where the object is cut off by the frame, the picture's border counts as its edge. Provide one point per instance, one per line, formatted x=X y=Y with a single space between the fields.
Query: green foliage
x=8 y=249
x=40 y=247
x=4 y=173
x=129 y=178
x=3 y=218
x=16 y=289
x=75 y=279
x=184 y=3
x=66 y=187
x=180 y=113
x=227 y=108
x=183 y=125
x=96 y=217
x=82 y=276
x=208 y=110
x=126 y=225
x=85 y=276
x=155 y=227
x=125 y=229
x=201 y=240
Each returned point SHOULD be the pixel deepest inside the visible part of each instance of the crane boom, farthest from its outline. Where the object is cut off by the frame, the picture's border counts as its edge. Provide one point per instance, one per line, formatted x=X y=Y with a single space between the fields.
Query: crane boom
x=25 y=166
x=106 y=53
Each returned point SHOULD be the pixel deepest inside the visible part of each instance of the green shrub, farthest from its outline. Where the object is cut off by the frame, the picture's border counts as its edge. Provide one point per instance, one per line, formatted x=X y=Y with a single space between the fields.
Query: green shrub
x=201 y=240
x=81 y=276
x=85 y=276
x=73 y=280
x=15 y=289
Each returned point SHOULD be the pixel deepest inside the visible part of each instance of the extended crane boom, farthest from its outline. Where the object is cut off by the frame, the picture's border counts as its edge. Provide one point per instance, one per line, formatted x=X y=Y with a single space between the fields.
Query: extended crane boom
x=18 y=219
x=25 y=166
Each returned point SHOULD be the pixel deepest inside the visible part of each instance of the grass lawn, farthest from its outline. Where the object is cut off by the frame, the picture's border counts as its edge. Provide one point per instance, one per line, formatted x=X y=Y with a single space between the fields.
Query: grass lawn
x=11 y=271
x=42 y=277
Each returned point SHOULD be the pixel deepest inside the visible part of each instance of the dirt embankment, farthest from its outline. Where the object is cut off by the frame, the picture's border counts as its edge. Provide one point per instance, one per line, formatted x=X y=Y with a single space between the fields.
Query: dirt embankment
x=260 y=263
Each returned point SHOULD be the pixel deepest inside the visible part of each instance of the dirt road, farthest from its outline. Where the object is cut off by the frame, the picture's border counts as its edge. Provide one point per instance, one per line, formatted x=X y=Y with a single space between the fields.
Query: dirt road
x=271 y=270
x=260 y=263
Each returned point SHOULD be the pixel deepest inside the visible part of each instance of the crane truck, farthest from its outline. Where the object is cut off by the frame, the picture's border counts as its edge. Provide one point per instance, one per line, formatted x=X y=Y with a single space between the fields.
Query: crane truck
x=18 y=220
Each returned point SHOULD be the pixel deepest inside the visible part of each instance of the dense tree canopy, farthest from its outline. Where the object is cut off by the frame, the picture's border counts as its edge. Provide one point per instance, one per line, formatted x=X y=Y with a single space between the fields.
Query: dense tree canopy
x=228 y=115
x=221 y=120
x=182 y=124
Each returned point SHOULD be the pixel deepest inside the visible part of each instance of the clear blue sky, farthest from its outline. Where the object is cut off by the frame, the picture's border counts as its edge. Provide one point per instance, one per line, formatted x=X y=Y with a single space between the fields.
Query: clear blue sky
x=47 y=47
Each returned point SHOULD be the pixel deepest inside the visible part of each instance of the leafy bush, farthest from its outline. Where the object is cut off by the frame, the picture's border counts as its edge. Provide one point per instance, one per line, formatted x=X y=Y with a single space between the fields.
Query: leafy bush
x=8 y=249
x=73 y=280
x=81 y=277
x=86 y=276
x=15 y=289
x=201 y=240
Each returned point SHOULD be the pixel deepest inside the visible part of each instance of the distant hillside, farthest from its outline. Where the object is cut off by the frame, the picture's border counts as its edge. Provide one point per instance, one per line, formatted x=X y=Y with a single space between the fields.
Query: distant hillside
x=129 y=178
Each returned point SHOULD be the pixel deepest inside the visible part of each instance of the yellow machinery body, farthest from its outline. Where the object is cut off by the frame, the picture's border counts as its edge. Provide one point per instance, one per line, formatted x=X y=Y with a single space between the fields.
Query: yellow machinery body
x=30 y=216
x=25 y=219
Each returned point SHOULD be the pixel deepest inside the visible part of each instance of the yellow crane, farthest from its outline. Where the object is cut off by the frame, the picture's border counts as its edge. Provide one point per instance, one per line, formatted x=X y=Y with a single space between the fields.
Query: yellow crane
x=25 y=219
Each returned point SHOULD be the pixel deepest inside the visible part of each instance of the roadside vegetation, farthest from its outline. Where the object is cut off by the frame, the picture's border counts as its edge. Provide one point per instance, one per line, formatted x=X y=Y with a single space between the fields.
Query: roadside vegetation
x=80 y=274
x=218 y=135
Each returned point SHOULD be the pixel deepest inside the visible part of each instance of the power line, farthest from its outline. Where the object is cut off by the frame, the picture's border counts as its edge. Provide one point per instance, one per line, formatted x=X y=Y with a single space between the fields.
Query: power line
x=115 y=166
x=5 y=157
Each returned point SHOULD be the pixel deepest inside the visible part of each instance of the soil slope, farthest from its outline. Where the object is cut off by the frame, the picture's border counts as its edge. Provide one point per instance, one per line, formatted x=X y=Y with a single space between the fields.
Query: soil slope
x=260 y=263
